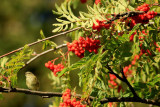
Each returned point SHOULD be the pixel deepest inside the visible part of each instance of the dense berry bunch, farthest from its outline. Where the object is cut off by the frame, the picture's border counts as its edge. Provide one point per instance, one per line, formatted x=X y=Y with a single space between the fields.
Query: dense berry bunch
x=83 y=1
x=67 y=102
x=54 y=68
x=79 y=46
x=100 y=25
x=142 y=18
x=144 y=7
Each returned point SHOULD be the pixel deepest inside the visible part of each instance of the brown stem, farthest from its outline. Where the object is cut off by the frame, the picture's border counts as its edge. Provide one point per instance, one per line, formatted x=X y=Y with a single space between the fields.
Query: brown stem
x=40 y=54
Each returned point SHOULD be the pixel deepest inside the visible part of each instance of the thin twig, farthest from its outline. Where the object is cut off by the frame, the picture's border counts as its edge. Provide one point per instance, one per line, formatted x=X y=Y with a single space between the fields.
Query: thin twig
x=40 y=41
x=58 y=94
x=40 y=54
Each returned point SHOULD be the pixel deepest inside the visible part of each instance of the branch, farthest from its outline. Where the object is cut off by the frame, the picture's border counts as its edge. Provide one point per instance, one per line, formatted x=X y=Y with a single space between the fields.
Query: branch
x=129 y=85
x=130 y=99
x=124 y=79
x=158 y=14
x=40 y=41
x=45 y=52
x=124 y=15
x=111 y=72
x=58 y=94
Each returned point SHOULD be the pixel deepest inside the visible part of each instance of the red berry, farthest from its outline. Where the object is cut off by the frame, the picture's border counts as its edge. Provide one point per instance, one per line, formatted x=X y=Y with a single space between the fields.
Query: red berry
x=97 y=1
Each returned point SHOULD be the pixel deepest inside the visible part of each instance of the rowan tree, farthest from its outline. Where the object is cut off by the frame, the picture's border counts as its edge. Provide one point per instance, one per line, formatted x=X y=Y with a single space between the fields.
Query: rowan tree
x=117 y=42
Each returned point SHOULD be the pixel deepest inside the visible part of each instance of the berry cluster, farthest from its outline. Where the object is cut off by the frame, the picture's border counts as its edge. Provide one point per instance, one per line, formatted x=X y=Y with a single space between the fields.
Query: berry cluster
x=67 y=102
x=142 y=18
x=144 y=7
x=100 y=25
x=54 y=68
x=83 y=1
x=79 y=46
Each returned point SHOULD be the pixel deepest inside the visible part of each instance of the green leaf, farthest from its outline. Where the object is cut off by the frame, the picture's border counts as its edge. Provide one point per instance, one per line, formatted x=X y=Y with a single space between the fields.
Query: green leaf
x=132 y=2
x=71 y=13
x=134 y=29
x=14 y=79
x=73 y=66
x=58 y=9
x=139 y=86
x=66 y=27
x=68 y=17
x=81 y=15
x=57 y=13
x=42 y=34
x=87 y=15
x=90 y=9
x=63 y=6
x=57 y=29
x=3 y=61
x=156 y=79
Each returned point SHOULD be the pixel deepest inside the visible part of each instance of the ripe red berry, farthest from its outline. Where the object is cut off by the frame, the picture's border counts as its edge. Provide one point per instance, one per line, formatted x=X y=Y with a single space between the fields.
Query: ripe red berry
x=97 y=1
